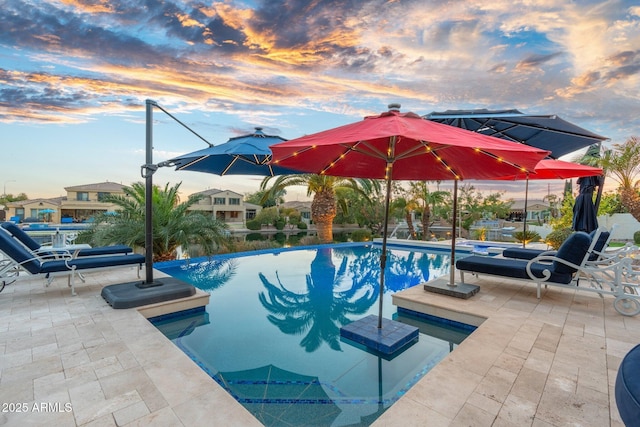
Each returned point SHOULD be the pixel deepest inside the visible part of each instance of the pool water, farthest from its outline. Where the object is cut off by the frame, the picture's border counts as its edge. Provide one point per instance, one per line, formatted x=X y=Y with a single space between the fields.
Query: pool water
x=270 y=334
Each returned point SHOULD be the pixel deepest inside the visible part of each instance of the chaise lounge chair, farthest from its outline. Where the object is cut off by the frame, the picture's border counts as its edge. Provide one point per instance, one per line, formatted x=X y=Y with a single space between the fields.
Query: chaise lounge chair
x=20 y=262
x=48 y=252
x=598 y=252
x=569 y=267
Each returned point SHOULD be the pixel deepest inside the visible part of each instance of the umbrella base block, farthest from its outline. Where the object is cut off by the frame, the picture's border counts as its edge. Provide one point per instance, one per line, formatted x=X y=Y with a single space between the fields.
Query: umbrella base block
x=389 y=340
x=458 y=290
x=139 y=293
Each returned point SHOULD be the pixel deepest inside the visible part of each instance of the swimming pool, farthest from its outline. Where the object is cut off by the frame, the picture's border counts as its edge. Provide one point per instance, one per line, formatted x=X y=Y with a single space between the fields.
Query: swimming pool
x=270 y=334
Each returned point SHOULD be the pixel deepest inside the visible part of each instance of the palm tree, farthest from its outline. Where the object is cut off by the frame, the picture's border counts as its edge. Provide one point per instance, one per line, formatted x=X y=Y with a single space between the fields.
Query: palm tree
x=420 y=192
x=407 y=206
x=325 y=199
x=173 y=224
x=623 y=162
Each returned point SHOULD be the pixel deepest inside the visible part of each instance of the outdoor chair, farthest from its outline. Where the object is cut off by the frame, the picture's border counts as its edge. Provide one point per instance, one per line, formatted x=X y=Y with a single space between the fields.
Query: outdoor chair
x=20 y=262
x=598 y=252
x=569 y=267
x=49 y=252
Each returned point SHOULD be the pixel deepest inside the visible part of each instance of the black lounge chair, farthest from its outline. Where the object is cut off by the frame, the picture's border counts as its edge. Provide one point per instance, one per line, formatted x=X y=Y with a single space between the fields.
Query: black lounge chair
x=48 y=252
x=20 y=261
x=569 y=267
x=596 y=253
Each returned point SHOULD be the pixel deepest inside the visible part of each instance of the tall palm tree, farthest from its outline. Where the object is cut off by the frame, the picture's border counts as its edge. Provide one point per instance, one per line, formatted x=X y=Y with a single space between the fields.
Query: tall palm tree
x=420 y=192
x=325 y=199
x=407 y=206
x=173 y=224
x=623 y=164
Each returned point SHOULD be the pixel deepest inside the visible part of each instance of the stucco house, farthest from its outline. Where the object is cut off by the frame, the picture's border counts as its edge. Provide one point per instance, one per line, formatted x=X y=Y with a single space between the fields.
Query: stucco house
x=80 y=204
x=227 y=206
x=84 y=201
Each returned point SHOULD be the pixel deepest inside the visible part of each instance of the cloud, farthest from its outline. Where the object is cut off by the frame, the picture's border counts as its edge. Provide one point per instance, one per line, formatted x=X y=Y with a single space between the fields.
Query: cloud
x=535 y=61
x=336 y=56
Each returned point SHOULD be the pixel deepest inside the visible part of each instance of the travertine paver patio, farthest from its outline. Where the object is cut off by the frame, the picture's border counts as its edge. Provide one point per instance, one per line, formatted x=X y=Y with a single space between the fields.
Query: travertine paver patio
x=540 y=363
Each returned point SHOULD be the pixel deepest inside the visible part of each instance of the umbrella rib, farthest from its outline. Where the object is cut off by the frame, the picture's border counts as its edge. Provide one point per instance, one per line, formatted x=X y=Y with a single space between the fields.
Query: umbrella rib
x=478 y=150
x=193 y=162
x=373 y=152
x=231 y=163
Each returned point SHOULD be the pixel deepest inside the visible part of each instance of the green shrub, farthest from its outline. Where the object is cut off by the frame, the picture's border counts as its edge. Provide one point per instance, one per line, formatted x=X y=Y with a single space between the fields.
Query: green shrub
x=480 y=234
x=302 y=225
x=361 y=235
x=254 y=224
x=530 y=236
x=636 y=237
x=557 y=237
x=279 y=223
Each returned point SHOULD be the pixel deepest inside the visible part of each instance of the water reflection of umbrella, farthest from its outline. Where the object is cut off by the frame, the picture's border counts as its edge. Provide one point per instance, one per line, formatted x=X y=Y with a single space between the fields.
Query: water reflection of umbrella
x=548 y=132
x=242 y=155
x=297 y=397
x=397 y=146
x=584 y=211
x=552 y=169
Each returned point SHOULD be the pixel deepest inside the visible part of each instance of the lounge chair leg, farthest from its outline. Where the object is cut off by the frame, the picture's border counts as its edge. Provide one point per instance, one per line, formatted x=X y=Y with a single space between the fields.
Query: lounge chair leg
x=461 y=276
x=72 y=282
x=538 y=290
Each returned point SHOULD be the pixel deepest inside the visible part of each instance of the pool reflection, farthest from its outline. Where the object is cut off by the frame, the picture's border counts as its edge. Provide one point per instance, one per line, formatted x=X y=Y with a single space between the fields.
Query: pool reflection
x=329 y=302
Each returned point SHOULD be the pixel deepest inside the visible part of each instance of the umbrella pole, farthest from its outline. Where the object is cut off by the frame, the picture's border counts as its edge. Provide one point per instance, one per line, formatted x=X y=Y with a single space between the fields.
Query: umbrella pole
x=383 y=255
x=452 y=267
x=148 y=224
x=524 y=225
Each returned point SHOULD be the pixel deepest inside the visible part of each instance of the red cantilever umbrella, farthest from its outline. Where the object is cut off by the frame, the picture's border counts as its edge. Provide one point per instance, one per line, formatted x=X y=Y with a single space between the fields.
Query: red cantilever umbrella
x=404 y=146
x=552 y=169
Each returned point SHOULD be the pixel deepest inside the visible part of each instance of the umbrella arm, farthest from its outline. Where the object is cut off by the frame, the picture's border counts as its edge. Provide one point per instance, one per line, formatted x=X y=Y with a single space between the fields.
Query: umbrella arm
x=148 y=170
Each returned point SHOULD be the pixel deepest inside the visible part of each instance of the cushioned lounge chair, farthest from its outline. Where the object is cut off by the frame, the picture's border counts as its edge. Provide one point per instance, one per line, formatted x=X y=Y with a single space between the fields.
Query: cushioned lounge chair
x=43 y=251
x=20 y=262
x=597 y=252
x=569 y=267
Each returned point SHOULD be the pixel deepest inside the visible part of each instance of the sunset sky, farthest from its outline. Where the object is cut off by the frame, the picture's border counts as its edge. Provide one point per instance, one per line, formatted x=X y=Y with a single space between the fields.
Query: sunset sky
x=75 y=74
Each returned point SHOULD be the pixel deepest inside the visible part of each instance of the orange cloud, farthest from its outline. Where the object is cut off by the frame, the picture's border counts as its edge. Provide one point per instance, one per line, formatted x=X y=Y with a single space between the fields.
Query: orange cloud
x=98 y=6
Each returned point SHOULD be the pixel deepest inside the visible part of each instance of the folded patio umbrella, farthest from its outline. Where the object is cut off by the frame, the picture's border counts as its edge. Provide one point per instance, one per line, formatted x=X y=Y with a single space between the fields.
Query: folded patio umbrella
x=585 y=216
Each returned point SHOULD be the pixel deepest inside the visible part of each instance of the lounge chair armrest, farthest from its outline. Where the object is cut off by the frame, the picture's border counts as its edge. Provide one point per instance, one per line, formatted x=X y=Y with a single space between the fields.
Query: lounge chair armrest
x=551 y=252
x=619 y=252
x=546 y=273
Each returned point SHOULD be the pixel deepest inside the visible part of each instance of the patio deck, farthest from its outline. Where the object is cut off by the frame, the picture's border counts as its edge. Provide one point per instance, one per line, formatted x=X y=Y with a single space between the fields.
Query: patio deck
x=538 y=363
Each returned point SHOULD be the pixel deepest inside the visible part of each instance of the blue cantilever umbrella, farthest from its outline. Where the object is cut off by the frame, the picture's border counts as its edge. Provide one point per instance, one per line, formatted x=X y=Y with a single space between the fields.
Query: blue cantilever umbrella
x=242 y=155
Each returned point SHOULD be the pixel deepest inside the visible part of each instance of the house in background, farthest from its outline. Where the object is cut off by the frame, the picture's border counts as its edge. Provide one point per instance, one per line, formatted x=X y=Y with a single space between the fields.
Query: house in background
x=82 y=202
x=227 y=206
x=303 y=207
x=537 y=210
x=79 y=205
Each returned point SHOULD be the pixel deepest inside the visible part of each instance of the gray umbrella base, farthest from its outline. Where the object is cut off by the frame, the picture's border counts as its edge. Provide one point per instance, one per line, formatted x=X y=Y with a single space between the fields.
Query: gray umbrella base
x=391 y=338
x=458 y=290
x=139 y=293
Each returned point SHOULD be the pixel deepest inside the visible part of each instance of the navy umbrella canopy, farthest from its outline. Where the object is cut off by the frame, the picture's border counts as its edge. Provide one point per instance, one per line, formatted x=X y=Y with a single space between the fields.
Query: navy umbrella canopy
x=548 y=132
x=242 y=155
x=584 y=211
